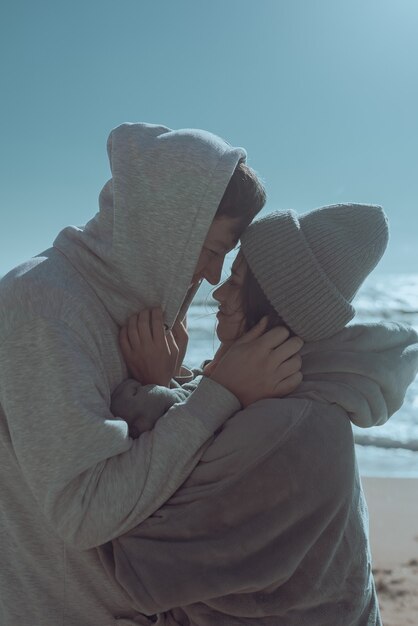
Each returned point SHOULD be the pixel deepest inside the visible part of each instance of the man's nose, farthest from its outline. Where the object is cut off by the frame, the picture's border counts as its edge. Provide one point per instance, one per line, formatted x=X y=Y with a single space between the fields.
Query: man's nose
x=214 y=271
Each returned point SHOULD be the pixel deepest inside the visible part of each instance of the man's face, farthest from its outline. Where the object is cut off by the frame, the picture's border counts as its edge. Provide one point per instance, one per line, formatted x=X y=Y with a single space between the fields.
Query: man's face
x=222 y=237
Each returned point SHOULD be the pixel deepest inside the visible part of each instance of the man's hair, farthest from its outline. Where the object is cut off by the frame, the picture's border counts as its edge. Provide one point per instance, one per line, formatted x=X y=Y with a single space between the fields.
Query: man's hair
x=244 y=196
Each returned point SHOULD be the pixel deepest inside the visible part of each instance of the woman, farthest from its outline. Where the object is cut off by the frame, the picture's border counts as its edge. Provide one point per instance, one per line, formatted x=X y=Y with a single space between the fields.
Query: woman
x=271 y=527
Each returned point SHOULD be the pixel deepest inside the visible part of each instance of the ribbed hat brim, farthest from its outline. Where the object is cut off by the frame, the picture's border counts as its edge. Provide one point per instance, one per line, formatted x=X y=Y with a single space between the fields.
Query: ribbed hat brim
x=291 y=278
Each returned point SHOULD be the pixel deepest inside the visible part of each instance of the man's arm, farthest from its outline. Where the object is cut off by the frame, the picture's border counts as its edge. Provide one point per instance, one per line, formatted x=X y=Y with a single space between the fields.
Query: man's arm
x=91 y=480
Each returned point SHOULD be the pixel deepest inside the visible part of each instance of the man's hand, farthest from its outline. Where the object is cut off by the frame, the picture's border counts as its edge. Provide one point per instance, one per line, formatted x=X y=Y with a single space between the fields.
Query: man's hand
x=260 y=365
x=181 y=337
x=150 y=353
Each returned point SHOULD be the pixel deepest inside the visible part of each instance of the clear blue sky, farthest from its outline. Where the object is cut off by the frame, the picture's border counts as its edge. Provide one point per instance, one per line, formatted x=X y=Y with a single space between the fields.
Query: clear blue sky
x=323 y=94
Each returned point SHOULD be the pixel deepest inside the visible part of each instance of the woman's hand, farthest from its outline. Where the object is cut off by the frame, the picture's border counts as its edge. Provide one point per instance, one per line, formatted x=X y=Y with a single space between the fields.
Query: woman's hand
x=260 y=364
x=150 y=353
x=221 y=351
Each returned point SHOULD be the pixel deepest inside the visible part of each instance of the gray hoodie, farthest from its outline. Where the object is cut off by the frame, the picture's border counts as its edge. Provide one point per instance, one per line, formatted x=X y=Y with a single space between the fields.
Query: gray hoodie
x=271 y=527
x=71 y=477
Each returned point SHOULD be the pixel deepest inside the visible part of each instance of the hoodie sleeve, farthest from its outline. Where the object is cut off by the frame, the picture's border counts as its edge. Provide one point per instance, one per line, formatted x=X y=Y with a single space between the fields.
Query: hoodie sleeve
x=91 y=480
x=141 y=406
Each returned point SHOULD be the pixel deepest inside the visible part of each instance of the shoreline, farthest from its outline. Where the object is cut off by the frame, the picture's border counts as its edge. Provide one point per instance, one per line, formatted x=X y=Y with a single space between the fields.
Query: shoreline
x=393 y=518
x=384 y=462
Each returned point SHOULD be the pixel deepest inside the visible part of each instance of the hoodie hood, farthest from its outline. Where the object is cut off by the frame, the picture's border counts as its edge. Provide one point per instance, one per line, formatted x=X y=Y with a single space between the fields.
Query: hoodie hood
x=365 y=369
x=140 y=250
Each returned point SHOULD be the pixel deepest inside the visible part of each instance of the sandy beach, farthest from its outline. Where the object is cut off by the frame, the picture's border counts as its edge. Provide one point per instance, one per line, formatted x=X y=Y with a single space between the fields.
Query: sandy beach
x=393 y=511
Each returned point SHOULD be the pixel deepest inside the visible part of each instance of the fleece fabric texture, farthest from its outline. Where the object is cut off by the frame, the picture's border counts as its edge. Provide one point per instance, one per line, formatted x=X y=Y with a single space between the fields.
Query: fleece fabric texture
x=71 y=477
x=271 y=527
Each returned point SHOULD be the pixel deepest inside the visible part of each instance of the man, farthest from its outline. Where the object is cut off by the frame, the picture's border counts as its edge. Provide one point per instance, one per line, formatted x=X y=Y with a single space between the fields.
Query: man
x=71 y=477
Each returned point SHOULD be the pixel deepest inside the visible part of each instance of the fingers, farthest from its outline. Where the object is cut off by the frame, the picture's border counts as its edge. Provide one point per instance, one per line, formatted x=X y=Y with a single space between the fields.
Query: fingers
x=288 y=385
x=290 y=367
x=157 y=326
x=180 y=331
x=180 y=322
x=132 y=332
x=173 y=347
x=255 y=332
x=150 y=355
x=144 y=326
x=287 y=349
x=273 y=338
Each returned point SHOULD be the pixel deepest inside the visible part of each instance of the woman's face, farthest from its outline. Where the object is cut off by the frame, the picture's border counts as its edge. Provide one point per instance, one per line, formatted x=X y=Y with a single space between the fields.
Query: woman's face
x=231 y=318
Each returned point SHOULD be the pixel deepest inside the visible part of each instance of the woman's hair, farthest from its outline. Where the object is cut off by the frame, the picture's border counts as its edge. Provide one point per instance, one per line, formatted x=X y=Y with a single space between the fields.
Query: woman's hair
x=256 y=305
x=244 y=196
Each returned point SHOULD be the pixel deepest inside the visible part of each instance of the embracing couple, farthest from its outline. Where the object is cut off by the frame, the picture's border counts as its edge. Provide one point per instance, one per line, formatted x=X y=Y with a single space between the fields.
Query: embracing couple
x=135 y=491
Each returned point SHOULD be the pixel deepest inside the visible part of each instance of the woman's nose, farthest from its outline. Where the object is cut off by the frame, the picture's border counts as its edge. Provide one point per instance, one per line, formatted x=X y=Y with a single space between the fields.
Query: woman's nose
x=218 y=293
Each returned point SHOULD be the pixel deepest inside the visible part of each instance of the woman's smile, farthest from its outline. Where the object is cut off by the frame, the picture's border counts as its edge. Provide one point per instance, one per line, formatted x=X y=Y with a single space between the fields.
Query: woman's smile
x=230 y=314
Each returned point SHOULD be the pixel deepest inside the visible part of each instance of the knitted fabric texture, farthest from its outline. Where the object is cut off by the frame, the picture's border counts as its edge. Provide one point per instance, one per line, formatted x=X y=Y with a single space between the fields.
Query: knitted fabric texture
x=311 y=266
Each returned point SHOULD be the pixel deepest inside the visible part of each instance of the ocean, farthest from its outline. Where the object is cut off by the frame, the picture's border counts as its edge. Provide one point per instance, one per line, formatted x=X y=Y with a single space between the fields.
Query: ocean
x=388 y=450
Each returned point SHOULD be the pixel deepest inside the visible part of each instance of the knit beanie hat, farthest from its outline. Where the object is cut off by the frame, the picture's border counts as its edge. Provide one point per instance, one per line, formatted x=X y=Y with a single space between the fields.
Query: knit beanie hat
x=310 y=266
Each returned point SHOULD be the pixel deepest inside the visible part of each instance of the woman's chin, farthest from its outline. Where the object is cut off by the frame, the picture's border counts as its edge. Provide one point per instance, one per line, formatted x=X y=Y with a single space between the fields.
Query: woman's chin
x=226 y=335
x=221 y=333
